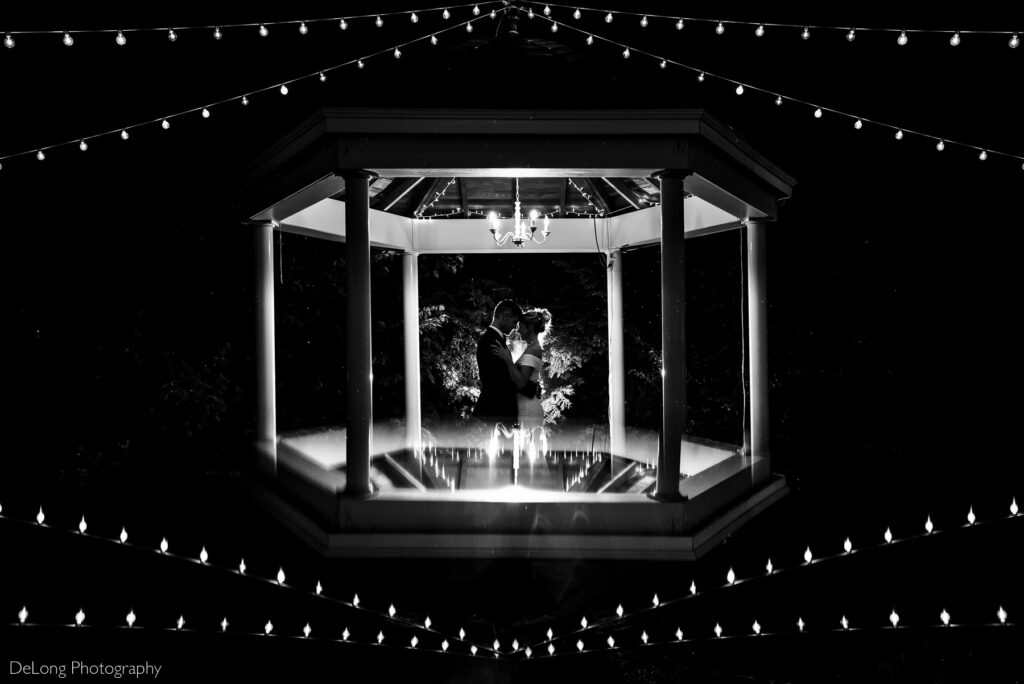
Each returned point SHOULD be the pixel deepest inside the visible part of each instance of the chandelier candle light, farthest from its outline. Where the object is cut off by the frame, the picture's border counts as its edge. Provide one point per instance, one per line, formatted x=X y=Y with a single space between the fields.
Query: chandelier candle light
x=521 y=233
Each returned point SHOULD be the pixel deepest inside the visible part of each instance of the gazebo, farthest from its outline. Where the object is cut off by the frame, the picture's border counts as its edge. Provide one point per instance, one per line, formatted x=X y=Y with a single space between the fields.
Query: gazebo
x=705 y=180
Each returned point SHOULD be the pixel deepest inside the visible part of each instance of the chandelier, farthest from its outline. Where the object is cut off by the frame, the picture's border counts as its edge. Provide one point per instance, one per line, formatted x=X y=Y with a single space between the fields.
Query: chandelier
x=521 y=232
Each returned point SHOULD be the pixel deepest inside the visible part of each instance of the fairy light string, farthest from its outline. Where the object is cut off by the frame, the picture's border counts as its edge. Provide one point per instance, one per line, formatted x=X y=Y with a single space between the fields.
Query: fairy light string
x=206 y=110
x=857 y=122
x=759 y=28
x=216 y=31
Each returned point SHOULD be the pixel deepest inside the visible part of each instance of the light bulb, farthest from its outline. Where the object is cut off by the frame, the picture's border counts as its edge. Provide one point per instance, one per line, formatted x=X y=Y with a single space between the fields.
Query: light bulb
x=551 y=649
x=323 y=77
x=730 y=577
x=181 y=621
x=983 y=155
x=655 y=602
x=1001 y=614
x=413 y=641
x=268 y=628
x=320 y=589
x=693 y=587
x=759 y=31
x=644 y=638
x=469 y=27
x=391 y=610
x=851 y=35
x=203 y=556
x=224 y=625
x=1013 y=507
x=120 y=39
x=79 y=617
x=343 y=25
x=68 y=40
x=928 y=526
x=124 y=532
x=547 y=11
x=130 y=618
x=941 y=145
x=643 y=21
x=9 y=42
x=378 y=22
x=739 y=89
x=583 y=622
x=778 y=100
x=611 y=642
x=845 y=623
x=530 y=13
x=590 y=40
x=679 y=24
x=307 y=630
x=515 y=644
x=663 y=64
x=206 y=113
x=718 y=630
x=769 y=567
x=888 y=536
x=800 y=624
x=1014 y=41
x=241 y=567
x=807 y=555
x=284 y=89
x=165 y=124
x=345 y=634
x=497 y=644
x=955 y=39
x=817 y=113
x=476 y=10
x=806 y=33
x=858 y=124
x=576 y=14
x=899 y=135
x=163 y=545
x=171 y=35
x=433 y=39
x=263 y=31
x=700 y=77
x=894 y=618
x=446 y=14
x=608 y=18
x=757 y=628
x=217 y=35
x=902 y=40
x=625 y=53
x=848 y=545
x=944 y=616
x=473 y=649
x=554 y=28
x=414 y=18
x=380 y=637
x=444 y=645
x=280 y=575
x=360 y=64
x=579 y=645
x=720 y=29
x=23 y=615
x=551 y=634
x=398 y=53
x=970 y=513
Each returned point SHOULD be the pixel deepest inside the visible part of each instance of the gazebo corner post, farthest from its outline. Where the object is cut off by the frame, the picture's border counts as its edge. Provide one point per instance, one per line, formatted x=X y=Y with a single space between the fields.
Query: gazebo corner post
x=411 y=346
x=673 y=333
x=266 y=376
x=359 y=361
x=616 y=357
x=757 y=333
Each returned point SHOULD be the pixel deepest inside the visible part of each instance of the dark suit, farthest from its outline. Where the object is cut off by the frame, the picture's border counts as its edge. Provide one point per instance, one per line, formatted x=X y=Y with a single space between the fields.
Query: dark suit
x=497 y=400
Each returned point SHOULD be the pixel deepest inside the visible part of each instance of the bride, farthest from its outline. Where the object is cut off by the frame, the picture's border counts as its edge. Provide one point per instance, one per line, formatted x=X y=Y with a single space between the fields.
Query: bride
x=526 y=370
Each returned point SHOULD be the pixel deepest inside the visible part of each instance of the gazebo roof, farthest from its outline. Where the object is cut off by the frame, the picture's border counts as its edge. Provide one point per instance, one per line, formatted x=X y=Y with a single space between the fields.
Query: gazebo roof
x=612 y=155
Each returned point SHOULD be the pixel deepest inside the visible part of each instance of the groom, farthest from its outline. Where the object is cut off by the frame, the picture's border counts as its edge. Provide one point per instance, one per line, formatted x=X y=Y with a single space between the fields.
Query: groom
x=497 y=402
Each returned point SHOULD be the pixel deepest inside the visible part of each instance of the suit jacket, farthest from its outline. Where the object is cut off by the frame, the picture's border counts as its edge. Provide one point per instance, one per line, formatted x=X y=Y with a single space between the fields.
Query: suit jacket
x=497 y=391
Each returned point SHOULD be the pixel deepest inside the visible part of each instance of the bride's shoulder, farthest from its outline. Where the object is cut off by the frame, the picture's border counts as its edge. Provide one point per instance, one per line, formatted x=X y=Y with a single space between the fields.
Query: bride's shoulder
x=534 y=349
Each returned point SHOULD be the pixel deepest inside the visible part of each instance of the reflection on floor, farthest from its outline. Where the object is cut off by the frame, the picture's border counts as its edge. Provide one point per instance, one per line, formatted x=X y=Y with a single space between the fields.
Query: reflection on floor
x=569 y=458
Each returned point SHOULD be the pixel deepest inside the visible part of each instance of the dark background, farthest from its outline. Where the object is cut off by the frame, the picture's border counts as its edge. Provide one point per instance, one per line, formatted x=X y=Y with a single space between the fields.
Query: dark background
x=893 y=282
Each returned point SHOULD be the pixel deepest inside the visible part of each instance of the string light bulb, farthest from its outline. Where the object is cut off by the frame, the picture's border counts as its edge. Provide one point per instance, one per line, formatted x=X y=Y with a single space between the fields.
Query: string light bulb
x=679 y=24
x=608 y=18
x=759 y=31
x=515 y=644
x=130 y=618
x=983 y=155
x=928 y=526
x=345 y=634
x=224 y=625
x=22 y=615
x=1001 y=614
x=380 y=637
x=391 y=610
x=493 y=14
x=693 y=588
x=579 y=645
x=263 y=31
x=68 y=40
x=644 y=638
x=343 y=25
x=970 y=512
x=611 y=642
x=655 y=602
x=165 y=124
x=700 y=77
x=899 y=134
x=718 y=630
x=888 y=536
x=171 y=35
x=757 y=627
x=619 y=611
x=625 y=53
x=280 y=575
x=858 y=124
x=583 y=622
x=307 y=630
x=577 y=14
x=473 y=649
x=551 y=649
x=120 y=39
x=359 y=64
x=414 y=641
x=817 y=113
x=739 y=89
x=241 y=567
x=124 y=532
x=547 y=11
x=303 y=29
x=398 y=53
x=806 y=33
x=9 y=42
x=284 y=89
x=323 y=77
x=551 y=634
x=851 y=35
x=807 y=555
x=720 y=29
x=320 y=590
x=217 y=35
x=206 y=113
x=181 y=622
x=554 y=27
x=844 y=622
x=1013 y=507
x=778 y=100
x=83 y=146
x=203 y=556
x=433 y=39
x=769 y=567
x=902 y=40
x=163 y=545
x=79 y=617
x=378 y=22
x=944 y=616
x=800 y=624
x=643 y=21
x=39 y=516
x=469 y=27
x=476 y=10
x=414 y=18
x=497 y=645
x=848 y=545
x=82 y=527
x=663 y=64
x=446 y=14
x=590 y=40
x=444 y=646
x=955 y=39
x=730 y=577
x=894 y=618
x=1014 y=41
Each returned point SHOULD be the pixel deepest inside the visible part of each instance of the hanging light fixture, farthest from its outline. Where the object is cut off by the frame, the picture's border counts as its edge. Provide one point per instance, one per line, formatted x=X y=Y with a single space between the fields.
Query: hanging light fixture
x=521 y=232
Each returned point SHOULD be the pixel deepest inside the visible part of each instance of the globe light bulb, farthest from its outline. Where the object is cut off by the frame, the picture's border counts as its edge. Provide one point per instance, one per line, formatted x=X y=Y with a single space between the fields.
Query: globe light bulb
x=902 y=40
x=493 y=14
x=554 y=28
x=590 y=40
x=9 y=42
x=983 y=155
x=851 y=35
x=433 y=39
x=955 y=39
x=68 y=40
x=245 y=100
x=206 y=113
x=444 y=646
x=414 y=18
x=307 y=630
x=547 y=11
x=700 y=77
x=720 y=29
x=469 y=27
x=806 y=33
x=378 y=22
x=739 y=89
x=398 y=53
x=759 y=31
x=944 y=616
x=778 y=100
x=343 y=25
x=130 y=618
x=302 y=28
x=663 y=64
x=1014 y=41
x=360 y=64
x=858 y=124
x=476 y=10
x=577 y=14
x=817 y=113
x=446 y=14
x=473 y=649
x=124 y=532
x=643 y=21
x=941 y=145
x=171 y=35
x=345 y=634
x=263 y=31
x=224 y=625
x=323 y=77
x=625 y=53
x=284 y=89
x=608 y=18
x=679 y=24
x=120 y=39
x=217 y=35
x=899 y=135
x=203 y=555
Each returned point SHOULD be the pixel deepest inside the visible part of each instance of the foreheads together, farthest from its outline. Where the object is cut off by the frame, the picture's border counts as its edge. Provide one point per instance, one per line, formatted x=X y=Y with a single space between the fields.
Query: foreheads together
x=535 y=321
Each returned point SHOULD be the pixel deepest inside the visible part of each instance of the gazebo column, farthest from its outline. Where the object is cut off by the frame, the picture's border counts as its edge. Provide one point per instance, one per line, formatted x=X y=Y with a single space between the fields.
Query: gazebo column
x=411 y=323
x=266 y=377
x=359 y=432
x=757 y=332
x=673 y=334
x=616 y=357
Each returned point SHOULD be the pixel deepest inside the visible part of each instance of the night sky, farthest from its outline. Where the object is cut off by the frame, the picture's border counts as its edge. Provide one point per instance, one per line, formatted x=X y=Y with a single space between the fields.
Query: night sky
x=893 y=268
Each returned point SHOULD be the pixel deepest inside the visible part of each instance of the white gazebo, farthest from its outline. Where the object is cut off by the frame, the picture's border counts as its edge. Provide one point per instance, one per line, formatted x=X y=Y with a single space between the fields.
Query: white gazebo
x=710 y=181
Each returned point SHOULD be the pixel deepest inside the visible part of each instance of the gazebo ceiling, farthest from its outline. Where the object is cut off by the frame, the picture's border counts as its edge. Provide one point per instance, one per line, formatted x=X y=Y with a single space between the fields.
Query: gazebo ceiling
x=475 y=197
